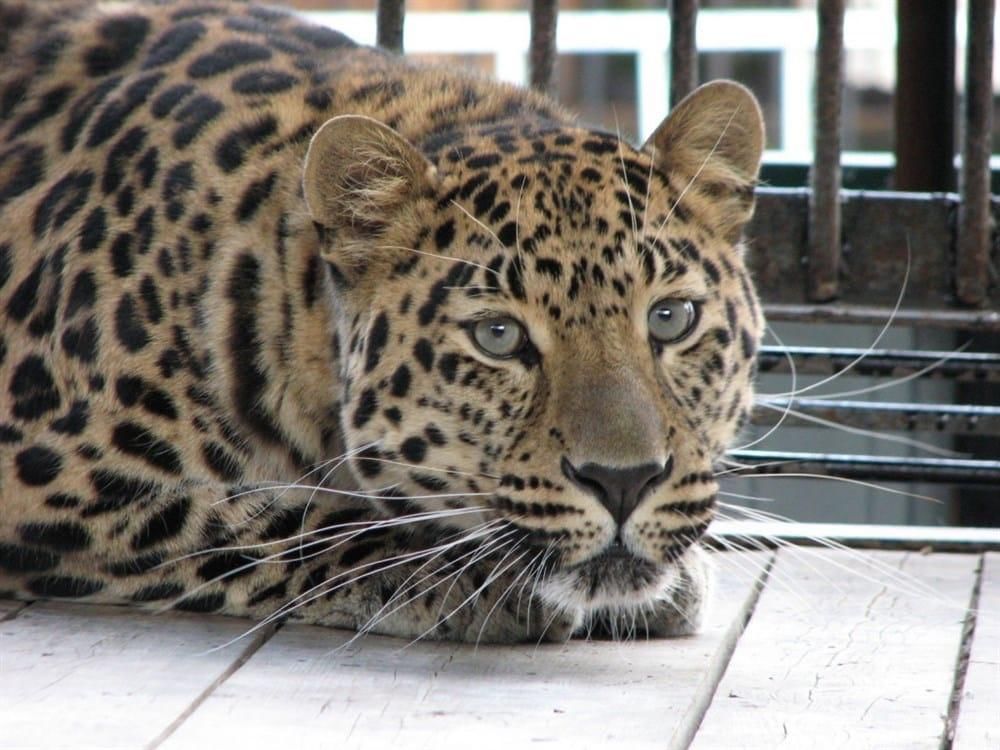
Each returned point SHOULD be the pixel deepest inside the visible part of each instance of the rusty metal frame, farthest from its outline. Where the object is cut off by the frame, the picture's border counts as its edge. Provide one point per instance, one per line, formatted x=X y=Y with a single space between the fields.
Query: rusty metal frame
x=881 y=234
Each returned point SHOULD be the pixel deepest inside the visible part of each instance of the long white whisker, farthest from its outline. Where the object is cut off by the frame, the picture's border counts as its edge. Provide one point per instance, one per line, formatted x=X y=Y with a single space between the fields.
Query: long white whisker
x=791 y=365
x=449 y=258
x=846 y=480
x=871 y=347
x=902 y=440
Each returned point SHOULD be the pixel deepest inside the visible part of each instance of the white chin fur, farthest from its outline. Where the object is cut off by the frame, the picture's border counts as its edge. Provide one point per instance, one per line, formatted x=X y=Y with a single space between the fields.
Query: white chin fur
x=566 y=592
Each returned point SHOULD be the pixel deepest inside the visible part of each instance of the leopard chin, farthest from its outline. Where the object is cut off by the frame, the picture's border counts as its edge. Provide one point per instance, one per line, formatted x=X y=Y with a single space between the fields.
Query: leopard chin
x=615 y=591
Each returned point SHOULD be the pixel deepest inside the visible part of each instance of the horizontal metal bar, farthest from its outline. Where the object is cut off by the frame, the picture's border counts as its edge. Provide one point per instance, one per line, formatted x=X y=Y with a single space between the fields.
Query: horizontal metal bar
x=882 y=232
x=912 y=417
x=770 y=534
x=980 y=320
x=890 y=469
x=815 y=360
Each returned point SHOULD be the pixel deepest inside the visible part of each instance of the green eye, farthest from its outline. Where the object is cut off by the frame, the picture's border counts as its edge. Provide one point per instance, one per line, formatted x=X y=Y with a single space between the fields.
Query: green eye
x=671 y=320
x=499 y=337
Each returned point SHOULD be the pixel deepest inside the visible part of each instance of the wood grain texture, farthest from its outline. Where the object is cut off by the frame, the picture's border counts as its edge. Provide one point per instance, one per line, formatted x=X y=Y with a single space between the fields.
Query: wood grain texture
x=836 y=657
x=979 y=712
x=76 y=675
x=380 y=694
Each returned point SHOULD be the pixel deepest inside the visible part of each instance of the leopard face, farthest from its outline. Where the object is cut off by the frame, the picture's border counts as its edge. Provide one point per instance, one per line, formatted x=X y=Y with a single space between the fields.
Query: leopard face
x=548 y=329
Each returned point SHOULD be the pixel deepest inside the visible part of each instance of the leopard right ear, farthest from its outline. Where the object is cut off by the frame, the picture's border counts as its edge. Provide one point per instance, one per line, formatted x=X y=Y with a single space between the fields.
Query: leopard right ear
x=715 y=137
x=359 y=175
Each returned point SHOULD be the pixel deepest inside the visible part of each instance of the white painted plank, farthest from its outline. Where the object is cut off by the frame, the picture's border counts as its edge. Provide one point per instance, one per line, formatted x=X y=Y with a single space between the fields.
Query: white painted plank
x=376 y=694
x=74 y=675
x=837 y=659
x=979 y=710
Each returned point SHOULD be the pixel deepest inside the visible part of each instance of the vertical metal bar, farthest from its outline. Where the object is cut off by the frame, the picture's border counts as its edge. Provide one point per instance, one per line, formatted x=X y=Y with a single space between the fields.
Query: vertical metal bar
x=824 y=199
x=389 y=24
x=925 y=95
x=683 y=49
x=972 y=257
x=542 y=54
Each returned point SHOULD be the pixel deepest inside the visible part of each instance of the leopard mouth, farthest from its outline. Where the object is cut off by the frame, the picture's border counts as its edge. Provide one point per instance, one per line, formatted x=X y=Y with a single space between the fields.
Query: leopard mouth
x=615 y=573
x=612 y=579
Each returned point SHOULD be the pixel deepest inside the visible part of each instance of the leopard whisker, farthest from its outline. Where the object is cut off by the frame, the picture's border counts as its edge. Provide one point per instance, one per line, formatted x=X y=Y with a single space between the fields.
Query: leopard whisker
x=869 y=349
x=505 y=594
x=784 y=416
x=736 y=466
x=300 y=601
x=496 y=573
x=358 y=526
x=883 y=572
x=424 y=467
x=628 y=187
x=359 y=494
x=406 y=586
x=371 y=568
x=480 y=554
x=448 y=258
x=490 y=545
x=481 y=225
x=845 y=480
x=878 y=386
x=874 y=434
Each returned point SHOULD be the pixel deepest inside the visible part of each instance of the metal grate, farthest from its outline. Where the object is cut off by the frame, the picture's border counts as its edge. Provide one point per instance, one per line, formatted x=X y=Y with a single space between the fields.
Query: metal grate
x=830 y=256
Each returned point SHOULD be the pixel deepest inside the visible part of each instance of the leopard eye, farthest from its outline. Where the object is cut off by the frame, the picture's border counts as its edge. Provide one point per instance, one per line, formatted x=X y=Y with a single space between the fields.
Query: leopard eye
x=499 y=337
x=670 y=320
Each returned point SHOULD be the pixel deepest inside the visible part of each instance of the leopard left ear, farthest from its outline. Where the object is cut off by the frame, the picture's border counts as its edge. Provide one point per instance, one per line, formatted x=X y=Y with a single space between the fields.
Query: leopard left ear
x=360 y=175
x=714 y=139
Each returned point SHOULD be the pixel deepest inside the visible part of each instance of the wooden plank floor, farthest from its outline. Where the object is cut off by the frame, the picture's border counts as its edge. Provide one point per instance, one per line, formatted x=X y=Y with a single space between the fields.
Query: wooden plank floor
x=804 y=648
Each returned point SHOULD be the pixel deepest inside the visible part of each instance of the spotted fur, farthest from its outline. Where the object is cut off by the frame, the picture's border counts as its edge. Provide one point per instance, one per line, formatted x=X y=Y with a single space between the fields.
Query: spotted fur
x=242 y=263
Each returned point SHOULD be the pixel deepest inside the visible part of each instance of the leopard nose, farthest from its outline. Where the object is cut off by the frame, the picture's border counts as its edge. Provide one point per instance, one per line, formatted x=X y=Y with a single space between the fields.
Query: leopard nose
x=620 y=489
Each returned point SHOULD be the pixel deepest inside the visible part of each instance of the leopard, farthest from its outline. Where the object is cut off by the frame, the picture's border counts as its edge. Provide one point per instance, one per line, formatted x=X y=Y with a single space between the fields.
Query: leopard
x=301 y=330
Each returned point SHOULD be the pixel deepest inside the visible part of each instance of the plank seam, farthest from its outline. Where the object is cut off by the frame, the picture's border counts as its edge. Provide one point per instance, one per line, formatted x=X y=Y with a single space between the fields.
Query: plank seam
x=962 y=660
x=15 y=612
x=688 y=726
x=252 y=648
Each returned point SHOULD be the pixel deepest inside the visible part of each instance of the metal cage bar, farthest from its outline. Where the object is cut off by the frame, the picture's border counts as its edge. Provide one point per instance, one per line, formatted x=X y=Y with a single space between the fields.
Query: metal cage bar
x=972 y=258
x=924 y=101
x=389 y=24
x=542 y=55
x=683 y=49
x=824 y=200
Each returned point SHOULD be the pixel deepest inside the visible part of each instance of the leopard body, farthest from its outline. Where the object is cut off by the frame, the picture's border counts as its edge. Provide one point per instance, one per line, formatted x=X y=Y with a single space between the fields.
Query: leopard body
x=246 y=268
